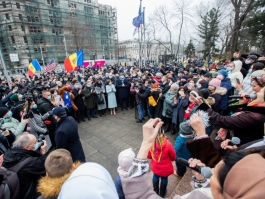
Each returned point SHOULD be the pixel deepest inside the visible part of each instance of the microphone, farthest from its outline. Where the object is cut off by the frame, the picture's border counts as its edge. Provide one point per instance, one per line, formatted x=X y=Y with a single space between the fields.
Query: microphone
x=251 y=96
x=205 y=171
x=234 y=141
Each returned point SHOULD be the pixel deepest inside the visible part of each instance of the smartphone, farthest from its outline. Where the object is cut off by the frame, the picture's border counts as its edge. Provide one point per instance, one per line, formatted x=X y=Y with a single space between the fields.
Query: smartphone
x=237 y=80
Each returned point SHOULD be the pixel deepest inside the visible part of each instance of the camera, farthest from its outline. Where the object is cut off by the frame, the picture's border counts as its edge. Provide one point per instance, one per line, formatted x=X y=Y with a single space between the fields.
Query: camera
x=40 y=141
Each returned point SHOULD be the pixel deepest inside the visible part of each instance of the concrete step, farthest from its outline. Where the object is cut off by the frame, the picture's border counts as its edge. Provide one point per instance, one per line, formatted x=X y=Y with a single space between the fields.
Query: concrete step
x=183 y=186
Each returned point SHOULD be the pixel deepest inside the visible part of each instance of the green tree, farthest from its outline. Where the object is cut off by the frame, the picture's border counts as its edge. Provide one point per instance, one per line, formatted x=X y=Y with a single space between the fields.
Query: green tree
x=209 y=31
x=190 y=50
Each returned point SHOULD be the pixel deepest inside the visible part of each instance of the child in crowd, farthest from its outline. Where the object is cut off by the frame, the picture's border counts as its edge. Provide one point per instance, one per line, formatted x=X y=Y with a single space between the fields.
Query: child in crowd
x=59 y=165
x=161 y=154
x=125 y=160
x=185 y=133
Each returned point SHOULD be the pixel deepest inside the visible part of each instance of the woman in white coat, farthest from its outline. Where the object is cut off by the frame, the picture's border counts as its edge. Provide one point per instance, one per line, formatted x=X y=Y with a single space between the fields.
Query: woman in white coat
x=112 y=102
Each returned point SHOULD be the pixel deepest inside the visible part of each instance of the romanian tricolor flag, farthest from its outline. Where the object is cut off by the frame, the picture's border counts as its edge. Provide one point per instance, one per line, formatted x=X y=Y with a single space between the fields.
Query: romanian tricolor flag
x=33 y=67
x=74 y=60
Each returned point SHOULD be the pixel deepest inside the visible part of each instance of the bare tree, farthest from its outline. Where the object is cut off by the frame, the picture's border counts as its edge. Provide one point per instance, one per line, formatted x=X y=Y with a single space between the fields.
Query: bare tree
x=182 y=12
x=161 y=19
x=241 y=10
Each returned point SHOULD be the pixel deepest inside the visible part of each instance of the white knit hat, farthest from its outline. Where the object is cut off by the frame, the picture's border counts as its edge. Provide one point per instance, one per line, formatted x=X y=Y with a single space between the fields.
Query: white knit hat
x=125 y=159
x=257 y=73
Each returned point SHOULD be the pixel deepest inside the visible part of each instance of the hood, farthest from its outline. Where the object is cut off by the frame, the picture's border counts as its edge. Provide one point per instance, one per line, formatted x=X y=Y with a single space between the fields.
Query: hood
x=248 y=184
x=220 y=91
x=226 y=80
x=210 y=101
x=51 y=187
x=90 y=180
x=238 y=66
x=13 y=156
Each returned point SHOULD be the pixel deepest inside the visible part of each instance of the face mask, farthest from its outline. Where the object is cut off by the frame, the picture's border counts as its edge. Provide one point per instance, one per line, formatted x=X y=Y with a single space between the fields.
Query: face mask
x=20 y=96
x=247 y=62
x=249 y=71
x=82 y=80
x=221 y=77
x=76 y=87
x=121 y=77
x=6 y=119
x=49 y=98
x=181 y=92
x=34 y=106
x=146 y=85
x=36 y=146
x=134 y=75
x=199 y=86
x=60 y=85
x=88 y=86
x=9 y=113
x=110 y=77
x=229 y=69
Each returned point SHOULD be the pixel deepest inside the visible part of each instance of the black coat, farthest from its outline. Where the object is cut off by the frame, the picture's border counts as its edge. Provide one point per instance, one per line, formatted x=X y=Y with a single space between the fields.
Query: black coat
x=79 y=102
x=30 y=173
x=44 y=105
x=66 y=137
x=123 y=90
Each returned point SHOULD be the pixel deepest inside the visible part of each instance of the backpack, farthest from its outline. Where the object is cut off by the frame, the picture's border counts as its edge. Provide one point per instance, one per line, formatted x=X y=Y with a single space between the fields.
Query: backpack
x=10 y=188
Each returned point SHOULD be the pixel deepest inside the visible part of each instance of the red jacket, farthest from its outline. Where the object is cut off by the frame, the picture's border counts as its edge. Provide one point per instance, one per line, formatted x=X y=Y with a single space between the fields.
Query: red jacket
x=164 y=167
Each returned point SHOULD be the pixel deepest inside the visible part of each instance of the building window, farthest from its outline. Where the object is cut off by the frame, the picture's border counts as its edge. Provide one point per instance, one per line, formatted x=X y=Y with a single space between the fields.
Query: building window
x=7 y=16
x=22 y=27
x=87 y=1
x=51 y=19
x=36 y=49
x=101 y=12
x=9 y=27
x=20 y=16
x=25 y=39
x=36 y=19
x=13 y=39
x=101 y=27
x=18 y=5
x=4 y=4
x=29 y=18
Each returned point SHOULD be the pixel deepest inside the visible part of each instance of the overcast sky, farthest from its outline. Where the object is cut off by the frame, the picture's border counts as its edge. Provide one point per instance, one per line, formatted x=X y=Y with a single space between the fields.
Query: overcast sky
x=127 y=10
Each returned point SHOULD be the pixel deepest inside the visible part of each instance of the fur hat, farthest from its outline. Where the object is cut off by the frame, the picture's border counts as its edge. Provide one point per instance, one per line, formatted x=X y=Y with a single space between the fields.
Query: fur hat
x=215 y=82
x=125 y=159
x=257 y=73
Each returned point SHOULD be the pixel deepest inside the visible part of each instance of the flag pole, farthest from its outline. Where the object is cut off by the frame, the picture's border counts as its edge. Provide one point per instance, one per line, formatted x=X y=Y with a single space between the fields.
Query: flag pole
x=144 y=39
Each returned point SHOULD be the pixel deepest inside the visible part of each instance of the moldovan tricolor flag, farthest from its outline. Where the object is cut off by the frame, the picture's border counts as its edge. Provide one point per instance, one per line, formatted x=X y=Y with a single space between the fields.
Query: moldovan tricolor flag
x=33 y=67
x=74 y=60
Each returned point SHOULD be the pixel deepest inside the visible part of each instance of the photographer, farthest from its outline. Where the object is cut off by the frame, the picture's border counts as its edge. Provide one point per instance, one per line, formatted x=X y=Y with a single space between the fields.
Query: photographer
x=24 y=155
x=11 y=123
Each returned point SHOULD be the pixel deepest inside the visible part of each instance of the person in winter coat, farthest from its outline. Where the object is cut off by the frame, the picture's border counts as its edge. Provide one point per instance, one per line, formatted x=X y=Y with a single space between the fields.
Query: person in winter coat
x=225 y=83
x=164 y=84
x=123 y=85
x=23 y=155
x=79 y=102
x=186 y=133
x=112 y=102
x=89 y=93
x=234 y=74
x=66 y=135
x=68 y=98
x=167 y=112
x=216 y=92
x=44 y=105
x=11 y=123
x=59 y=165
x=99 y=88
x=180 y=104
x=161 y=154
x=36 y=123
x=255 y=70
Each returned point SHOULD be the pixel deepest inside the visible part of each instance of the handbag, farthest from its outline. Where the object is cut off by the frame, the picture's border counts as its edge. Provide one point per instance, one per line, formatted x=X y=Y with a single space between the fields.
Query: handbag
x=151 y=101
x=100 y=99
x=169 y=113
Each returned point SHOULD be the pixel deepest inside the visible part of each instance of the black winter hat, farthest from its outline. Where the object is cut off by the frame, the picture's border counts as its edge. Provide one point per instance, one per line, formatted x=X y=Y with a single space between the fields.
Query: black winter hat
x=3 y=111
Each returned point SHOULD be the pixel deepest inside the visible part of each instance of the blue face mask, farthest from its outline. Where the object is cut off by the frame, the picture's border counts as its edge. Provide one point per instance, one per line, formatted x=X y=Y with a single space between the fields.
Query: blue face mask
x=49 y=98
x=249 y=71
x=9 y=113
x=88 y=86
x=36 y=146
x=229 y=69
x=247 y=62
x=6 y=119
x=34 y=106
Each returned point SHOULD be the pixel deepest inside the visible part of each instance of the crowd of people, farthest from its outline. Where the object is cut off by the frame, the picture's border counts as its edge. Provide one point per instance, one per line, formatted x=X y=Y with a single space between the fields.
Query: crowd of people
x=204 y=106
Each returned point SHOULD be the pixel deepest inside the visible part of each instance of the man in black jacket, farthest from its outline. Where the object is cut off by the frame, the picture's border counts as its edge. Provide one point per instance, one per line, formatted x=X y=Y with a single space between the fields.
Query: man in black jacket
x=66 y=135
x=31 y=162
x=44 y=106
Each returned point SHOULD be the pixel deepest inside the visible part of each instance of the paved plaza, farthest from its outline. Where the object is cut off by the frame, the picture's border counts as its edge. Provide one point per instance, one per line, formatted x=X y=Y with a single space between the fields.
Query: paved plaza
x=103 y=138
